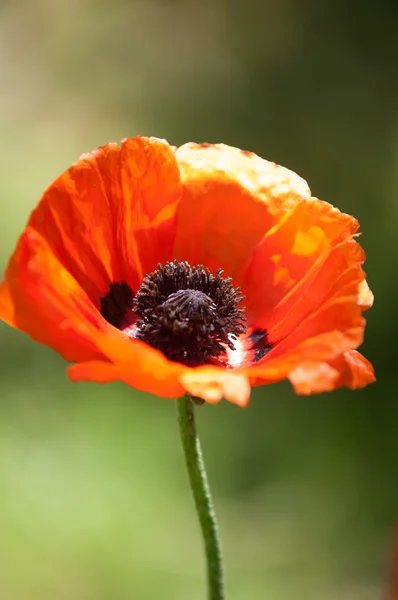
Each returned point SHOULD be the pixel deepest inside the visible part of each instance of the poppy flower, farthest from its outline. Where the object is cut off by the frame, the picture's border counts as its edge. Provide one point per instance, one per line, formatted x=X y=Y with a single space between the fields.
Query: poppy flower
x=203 y=269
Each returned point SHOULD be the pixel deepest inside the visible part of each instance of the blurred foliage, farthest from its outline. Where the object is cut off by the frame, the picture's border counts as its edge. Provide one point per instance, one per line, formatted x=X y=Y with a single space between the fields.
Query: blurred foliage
x=94 y=502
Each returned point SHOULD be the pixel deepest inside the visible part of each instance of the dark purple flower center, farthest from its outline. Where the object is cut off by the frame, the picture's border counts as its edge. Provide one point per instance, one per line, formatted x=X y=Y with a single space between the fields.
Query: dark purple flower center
x=189 y=314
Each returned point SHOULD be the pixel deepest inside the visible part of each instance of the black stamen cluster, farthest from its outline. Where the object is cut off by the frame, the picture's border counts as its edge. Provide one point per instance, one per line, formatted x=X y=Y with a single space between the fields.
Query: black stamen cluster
x=188 y=313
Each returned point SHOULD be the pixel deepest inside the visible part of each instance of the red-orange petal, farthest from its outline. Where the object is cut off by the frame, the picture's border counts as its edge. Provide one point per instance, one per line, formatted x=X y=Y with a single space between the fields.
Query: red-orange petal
x=141 y=371
x=230 y=199
x=213 y=383
x=40 y=297
x=290 y=260
x=329 y=302
x=326 y=353
x=350 y=370
x=322 y=324
x=111 y=215
x=145 y=209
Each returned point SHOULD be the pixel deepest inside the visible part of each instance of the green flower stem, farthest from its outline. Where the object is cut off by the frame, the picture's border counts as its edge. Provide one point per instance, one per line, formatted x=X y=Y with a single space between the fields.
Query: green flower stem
x=201 y=493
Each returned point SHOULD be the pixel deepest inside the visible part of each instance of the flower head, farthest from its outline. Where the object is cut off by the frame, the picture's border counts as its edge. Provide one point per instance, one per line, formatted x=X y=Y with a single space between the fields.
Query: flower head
x=203 y=269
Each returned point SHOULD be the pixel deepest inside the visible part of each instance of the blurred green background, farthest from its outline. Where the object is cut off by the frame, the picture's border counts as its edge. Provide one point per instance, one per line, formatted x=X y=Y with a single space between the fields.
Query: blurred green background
x=94 y=501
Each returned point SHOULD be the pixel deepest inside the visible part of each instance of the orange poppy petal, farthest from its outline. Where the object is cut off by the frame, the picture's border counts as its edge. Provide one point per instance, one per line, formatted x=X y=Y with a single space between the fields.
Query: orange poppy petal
x=212 y=384
x=365 y=298
x=333 y=349
x=289 y=259
x=40 y=297
x=110 y=216
x=327 y=299
x=323 y=323
x=350 y=370
x=163 y=383
x=230 y=199
x=74 y=217
x=145 y=208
